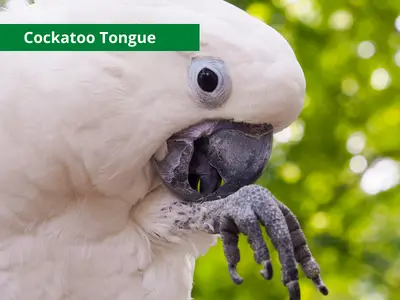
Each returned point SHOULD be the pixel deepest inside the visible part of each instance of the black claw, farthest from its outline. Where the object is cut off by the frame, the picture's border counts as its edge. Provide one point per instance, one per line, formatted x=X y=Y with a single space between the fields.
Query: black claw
x=324 y=290
x=235 y=275
x=294 y=290
x=320 y=285
x=267 y=272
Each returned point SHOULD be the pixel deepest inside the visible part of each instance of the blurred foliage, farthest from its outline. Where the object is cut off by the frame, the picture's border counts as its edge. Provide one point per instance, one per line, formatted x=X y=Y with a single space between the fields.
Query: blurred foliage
x=337 y=166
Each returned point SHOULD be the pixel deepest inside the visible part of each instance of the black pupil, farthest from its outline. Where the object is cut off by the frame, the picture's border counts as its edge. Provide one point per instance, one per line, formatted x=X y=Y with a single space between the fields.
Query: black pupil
x=207 y=80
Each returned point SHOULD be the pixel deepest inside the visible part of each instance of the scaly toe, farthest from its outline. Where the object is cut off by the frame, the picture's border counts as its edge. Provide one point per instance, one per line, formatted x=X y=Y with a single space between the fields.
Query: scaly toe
x=294 y=290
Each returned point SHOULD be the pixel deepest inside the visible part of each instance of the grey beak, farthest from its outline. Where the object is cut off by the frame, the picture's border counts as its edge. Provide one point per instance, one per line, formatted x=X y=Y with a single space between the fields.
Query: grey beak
x=235 y=153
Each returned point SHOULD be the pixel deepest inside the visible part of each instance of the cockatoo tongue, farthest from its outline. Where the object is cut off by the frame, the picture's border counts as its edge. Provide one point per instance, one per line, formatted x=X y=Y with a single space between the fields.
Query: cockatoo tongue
x=201 y=157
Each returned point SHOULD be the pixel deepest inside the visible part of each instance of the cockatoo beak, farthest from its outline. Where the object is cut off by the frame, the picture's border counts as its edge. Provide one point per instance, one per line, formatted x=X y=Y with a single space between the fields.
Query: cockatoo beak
x=214 y=159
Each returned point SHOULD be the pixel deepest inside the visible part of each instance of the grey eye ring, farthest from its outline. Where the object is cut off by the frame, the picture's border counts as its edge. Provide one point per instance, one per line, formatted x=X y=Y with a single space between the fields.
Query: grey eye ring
x=209 y=81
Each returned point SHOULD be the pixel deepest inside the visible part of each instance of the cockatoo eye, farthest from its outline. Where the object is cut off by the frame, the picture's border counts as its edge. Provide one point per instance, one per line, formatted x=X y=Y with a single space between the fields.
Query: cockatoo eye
x=209 y=82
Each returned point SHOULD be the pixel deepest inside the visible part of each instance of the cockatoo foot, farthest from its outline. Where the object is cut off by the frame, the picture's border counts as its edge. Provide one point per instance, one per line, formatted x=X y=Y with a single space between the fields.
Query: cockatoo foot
x=242 y=212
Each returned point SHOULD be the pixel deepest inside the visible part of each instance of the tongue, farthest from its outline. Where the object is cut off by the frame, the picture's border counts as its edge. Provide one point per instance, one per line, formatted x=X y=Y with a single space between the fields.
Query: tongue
x=200 y=170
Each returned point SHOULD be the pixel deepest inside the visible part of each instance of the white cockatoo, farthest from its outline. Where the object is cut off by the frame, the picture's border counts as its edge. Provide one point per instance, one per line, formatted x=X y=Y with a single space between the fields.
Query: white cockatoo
x=84 y=212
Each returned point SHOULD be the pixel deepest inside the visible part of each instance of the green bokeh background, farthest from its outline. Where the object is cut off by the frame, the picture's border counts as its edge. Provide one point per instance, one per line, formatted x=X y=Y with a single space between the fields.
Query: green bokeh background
x=349 y=51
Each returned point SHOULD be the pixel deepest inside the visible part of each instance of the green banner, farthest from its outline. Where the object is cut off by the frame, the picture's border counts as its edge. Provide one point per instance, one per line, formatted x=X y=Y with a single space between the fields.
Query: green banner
x=99 y=37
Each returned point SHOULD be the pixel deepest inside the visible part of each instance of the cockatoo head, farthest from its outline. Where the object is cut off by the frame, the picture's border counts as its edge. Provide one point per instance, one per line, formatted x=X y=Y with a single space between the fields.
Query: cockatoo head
x=119 y=110
x=221 y=105
x=245 y=71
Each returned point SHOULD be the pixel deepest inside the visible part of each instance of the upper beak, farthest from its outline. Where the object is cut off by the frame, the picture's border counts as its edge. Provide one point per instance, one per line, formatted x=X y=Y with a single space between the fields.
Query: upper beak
x=196 y=165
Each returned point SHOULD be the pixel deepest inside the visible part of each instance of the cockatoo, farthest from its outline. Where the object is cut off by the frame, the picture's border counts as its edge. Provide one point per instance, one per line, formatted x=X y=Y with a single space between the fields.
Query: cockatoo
x=90 y=205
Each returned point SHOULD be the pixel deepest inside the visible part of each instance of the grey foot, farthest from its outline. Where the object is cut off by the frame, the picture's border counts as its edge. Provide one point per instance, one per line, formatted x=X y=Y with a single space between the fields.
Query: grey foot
x=242 y=212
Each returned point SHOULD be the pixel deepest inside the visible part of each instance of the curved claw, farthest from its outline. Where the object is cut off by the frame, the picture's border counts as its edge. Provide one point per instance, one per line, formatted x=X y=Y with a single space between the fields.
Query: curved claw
x=267 y=271
x=294 y=290
x=319 y=283
x=235 y=275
